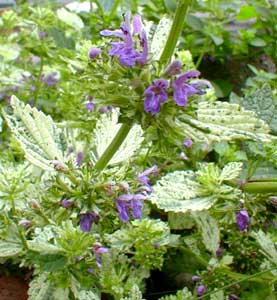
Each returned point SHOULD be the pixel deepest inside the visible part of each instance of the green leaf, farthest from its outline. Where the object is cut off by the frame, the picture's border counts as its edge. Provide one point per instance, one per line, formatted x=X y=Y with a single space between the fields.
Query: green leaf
x=246 y=12
x=134 y=294
x=257 y=42
x=218 y=40
x=10 y=249
x=231 y=171
x=179 y=192
x=9 y=52
x=106 y=128
x=262 y=102
x=70 y=18
x=183 y=191
x=40 y=288
x=209 y=229
x=222 y=121
x=194 y=22
x=61 y=40
x=43 y=247
x=267 y=245
x=37 y=134
x=219 y=295
x=180 y=221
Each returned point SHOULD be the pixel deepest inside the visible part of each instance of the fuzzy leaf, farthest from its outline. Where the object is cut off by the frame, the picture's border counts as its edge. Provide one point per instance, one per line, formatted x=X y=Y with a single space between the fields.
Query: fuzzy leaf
x=231 y=171
x=267 y=245
x=219 y=295
x=37 y=134
x=209 y=229
x=262 y=102
x=106 y=128
x=41 y=288
x=9 y=249
x=160 y=37
x=43 y=247
x=70 y=18
x=134 y=294
x=179 y=192
x=222 y=121
x=85 y=295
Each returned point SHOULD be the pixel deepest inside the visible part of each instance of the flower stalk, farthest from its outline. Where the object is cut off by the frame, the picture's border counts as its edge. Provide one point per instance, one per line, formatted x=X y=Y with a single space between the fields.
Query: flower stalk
x=175 y=31
x=256 y=187
x=168 y=51
x=113 y=147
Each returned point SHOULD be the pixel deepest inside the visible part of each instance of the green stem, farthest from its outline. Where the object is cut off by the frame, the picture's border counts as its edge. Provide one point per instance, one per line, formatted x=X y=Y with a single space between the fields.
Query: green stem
x=113 y=147
x=23 y=239
x=260 y=187
x=117 y=2
x=38 y=82
x=175 y=31
x=247 y=278
x=204 y=49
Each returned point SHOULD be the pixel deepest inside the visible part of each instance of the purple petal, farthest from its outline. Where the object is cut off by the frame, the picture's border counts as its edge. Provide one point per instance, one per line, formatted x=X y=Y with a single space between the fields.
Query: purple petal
x=187 y=75
x=152 y=170
x=94 y=52
x=188 y=143
x=79 y=158
x=242 y=219
x=174 y=68
x=144 y=45
x=201 y=290
x=86 y=221
x=122 y=208
x=117 y=33
x=152 y=105
x=136 y=206
x=90 y=106
x=137 y=24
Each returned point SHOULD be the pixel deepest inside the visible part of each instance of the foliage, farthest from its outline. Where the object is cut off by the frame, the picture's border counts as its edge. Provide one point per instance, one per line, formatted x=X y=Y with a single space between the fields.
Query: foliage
x=98 y=194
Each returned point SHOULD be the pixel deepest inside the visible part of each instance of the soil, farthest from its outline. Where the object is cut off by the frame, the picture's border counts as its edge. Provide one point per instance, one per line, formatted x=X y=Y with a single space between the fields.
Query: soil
x=13 y=288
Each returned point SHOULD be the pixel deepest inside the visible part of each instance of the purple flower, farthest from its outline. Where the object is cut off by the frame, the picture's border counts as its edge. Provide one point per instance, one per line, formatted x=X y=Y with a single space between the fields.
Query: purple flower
x=90 y=106
x=50 y=80
x=66 y=203
x=201 y=290
x=187 y=143
x=182 y=89
x=94 y=52
x=25 y=223
x=79 y=158
x=155 y=94
x=143 y=177
x=174 y=68
x=233 y=297
x=133 y=202
x=70 y=150
x=125 y=50
x=196 y=278
x=105 y=109
x=242 y=219
x=86 y=221
x=42 y=34
x=219 y=252
x=97 y=251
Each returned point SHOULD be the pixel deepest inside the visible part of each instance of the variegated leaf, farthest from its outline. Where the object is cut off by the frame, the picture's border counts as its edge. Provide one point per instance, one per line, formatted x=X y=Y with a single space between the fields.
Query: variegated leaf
x=41 y=288
x=9 y=249
x=179 y=192
x=222 y=121
x=106 y=129
x=37 y=134
x=209 y=229
x=159 y=38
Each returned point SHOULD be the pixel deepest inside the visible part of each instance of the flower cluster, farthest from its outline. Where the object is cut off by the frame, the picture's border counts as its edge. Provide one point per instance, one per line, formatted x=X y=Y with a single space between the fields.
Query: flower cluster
x=134 y=202
x=156 y=93
x=125 y=50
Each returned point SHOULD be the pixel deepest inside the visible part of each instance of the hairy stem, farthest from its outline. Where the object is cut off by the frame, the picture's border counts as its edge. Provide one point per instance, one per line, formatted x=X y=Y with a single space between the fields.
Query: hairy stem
x=176 y=29
x=260 y=187
x=246 y=278
x=113 y=147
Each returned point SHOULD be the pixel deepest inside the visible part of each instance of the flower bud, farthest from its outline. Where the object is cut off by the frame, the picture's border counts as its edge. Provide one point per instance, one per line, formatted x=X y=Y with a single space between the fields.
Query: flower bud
x=94 y=52
x=201 y=290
